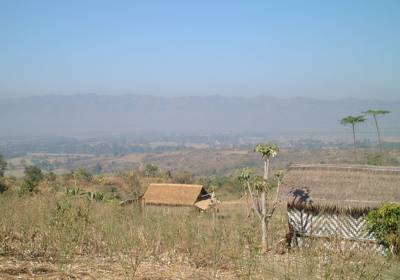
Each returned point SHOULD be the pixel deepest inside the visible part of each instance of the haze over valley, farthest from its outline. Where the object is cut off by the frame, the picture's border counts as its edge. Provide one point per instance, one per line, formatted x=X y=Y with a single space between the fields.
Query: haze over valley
x=97 y=115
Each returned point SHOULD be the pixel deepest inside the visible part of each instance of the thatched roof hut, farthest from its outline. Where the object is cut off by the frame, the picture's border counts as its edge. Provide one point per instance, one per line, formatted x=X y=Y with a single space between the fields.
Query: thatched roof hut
x=332 y=200
x=344 y=187
x=177 y=195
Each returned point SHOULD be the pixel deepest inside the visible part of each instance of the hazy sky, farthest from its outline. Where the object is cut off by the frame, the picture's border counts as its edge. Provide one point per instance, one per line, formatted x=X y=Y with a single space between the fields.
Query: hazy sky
x=324 y=49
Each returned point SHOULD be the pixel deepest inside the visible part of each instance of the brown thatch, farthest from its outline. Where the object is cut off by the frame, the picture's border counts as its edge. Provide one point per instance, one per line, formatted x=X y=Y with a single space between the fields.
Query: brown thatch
x=176 y=195
x=334 y=188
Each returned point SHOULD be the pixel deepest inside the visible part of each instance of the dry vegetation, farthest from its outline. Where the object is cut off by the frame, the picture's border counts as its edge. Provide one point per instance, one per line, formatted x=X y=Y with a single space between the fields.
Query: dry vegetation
x=205 y=162
x=347 y=186
x=50 y=235
x=59 y=237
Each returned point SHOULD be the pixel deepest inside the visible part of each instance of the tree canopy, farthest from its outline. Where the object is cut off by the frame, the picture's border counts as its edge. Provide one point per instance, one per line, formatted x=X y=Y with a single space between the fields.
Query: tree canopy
x=267 y=150
x=376 y=112
x=352 y=120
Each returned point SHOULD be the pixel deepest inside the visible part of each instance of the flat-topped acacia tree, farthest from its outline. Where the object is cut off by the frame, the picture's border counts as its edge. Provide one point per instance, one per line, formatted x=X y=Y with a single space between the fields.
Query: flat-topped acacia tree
x=374 y=114
x=259 y=187
x=353 y=121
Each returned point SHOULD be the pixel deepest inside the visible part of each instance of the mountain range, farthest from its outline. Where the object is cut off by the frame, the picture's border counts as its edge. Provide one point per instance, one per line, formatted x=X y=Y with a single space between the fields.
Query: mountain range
x=76 y=115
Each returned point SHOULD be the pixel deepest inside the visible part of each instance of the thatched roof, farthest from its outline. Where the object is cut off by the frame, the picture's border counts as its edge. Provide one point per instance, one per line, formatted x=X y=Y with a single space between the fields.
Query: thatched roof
x=339 y=187
x=176 y=195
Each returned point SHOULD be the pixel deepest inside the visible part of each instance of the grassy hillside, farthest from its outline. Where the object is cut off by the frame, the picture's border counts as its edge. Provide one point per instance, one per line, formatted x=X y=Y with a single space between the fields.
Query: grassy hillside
x=63 y=230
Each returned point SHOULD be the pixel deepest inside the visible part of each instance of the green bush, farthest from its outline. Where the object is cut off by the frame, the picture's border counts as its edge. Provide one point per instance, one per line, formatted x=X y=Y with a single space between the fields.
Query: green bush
x=95 y=196
x=32 y=178
x=91 y=196
x=384 y=224
x=74 y=191
x=375 y=159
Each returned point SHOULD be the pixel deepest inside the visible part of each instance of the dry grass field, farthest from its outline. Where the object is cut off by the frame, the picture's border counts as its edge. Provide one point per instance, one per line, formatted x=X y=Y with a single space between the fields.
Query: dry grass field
x=58 y=237
x=50 y=235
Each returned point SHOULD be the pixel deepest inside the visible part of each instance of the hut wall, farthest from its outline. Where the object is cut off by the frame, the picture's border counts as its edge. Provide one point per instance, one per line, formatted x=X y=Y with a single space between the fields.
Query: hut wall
x=170 y=209
x=324 y=226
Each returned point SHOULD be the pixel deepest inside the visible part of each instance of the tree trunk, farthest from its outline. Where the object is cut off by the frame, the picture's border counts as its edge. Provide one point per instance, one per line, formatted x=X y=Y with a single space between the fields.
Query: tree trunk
x=264 y=241
x=379 y=133
x=266 y=169
x=354 y=141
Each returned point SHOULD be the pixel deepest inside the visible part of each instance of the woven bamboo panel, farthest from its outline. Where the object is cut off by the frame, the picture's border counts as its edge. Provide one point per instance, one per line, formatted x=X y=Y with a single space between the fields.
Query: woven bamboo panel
x=350 y=230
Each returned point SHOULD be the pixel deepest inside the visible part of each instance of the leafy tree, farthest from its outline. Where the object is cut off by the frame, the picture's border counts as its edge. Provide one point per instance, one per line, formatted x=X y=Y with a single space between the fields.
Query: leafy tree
x=353 y=121
x=374 y=114
x=259 y=188
x=3 y=166
x=384 y=224
x=32 y=178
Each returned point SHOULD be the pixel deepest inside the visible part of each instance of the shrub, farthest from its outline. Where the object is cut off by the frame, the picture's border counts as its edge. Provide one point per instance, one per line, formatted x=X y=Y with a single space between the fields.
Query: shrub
x=95 y=196
x=384 y=224
x=74 y=191
x=375 y=159
x=32 y=178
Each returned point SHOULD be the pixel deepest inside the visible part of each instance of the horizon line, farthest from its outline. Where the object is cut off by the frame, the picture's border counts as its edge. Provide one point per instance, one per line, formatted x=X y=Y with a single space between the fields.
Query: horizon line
x=200 y=96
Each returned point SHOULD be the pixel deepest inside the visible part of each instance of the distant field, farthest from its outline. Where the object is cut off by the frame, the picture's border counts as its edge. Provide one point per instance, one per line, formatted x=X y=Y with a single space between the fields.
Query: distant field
x=201 y=162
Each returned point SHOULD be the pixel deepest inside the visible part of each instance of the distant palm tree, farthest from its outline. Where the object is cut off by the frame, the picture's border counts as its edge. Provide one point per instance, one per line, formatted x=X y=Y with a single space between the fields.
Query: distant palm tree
x=353 y=121
x=375 y=113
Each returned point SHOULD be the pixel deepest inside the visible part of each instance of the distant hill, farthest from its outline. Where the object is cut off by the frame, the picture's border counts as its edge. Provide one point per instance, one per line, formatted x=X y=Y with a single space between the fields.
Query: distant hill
x=96 y=115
